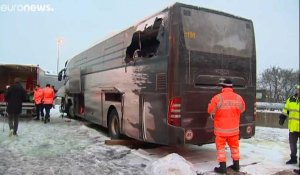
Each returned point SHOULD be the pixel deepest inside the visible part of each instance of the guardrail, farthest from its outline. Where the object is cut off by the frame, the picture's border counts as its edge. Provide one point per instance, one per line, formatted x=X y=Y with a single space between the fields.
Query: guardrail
x=269 y=119
x=28 y=108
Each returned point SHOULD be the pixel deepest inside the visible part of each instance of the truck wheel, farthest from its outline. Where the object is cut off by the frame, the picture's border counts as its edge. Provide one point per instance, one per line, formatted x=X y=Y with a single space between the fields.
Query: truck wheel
x=114 y=125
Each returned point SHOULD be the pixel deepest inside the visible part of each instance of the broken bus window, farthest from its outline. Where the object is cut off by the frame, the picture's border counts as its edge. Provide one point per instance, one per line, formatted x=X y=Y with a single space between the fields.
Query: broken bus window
x=144 y=43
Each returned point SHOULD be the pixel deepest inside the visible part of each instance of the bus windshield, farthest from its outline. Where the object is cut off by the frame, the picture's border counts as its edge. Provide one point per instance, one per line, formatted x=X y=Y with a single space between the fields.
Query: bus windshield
x=216 y=33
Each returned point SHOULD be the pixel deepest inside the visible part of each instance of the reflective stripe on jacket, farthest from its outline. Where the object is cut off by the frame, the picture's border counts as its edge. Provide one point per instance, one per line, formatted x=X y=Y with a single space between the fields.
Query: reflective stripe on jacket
x=291 y=110
x=38 y=95
x=227 y=108
x=48 y=95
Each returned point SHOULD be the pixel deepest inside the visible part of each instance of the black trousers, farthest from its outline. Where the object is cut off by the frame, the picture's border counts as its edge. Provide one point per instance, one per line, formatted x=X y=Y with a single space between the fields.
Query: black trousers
x=293 y=139
x=13 y=122
x=39 y=110
x=42 y=110
x=47 y=109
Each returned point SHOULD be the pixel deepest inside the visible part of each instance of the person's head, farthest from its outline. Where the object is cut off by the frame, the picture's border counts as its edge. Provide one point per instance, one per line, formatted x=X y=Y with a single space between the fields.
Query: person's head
x=226 y=83
x=298 y=89
x=37 y=86
x=47 y=85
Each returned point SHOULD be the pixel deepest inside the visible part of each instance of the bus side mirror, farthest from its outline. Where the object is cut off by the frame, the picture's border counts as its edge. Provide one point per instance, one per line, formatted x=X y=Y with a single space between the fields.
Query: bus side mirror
x=66 y=63
x=59 y=76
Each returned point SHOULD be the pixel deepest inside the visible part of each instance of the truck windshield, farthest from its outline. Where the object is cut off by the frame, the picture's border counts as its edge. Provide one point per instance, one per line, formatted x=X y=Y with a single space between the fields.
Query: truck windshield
x=216 y=33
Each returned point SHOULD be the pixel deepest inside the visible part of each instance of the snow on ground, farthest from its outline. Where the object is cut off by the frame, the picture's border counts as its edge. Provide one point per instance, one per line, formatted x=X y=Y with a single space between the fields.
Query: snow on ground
x=74 y=147
x=170 y=164
x=264 y=154
x=63 y=148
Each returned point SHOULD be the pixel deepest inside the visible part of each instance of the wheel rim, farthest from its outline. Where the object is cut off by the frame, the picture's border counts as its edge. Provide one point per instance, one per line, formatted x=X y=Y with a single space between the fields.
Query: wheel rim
x=114 y=126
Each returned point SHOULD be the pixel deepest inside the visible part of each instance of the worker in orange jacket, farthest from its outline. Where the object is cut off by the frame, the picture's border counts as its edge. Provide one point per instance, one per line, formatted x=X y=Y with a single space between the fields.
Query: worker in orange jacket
x=48 y=101
x=38 y=96
x=226 y=107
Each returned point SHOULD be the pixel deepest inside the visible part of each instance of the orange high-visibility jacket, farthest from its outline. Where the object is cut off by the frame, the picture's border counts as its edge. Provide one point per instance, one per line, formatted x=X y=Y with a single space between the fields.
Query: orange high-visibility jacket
x=38 y=95
x=48 y=95
x=227 y=108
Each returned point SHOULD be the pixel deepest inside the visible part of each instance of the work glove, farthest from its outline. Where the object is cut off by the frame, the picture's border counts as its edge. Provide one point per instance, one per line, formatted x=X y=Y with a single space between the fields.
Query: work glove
x=281 y=119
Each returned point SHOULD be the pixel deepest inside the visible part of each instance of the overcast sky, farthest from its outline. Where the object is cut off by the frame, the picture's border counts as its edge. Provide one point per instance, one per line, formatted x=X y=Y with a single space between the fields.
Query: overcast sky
x=30 y=37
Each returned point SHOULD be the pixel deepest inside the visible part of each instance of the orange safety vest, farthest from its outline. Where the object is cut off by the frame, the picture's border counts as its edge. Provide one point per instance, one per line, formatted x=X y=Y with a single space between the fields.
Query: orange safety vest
x=38 y=95
x=227 y=108
x=48 y=95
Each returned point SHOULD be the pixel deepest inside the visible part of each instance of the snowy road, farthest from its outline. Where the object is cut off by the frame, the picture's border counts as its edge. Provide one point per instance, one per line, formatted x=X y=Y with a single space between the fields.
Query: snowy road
x=70 y=147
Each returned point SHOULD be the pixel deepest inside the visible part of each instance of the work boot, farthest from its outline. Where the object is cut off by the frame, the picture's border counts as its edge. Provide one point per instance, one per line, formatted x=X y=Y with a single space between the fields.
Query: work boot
x=235 y=166
x=42 y=118
x=293 y=160
x=222 y=168
x=297 y=171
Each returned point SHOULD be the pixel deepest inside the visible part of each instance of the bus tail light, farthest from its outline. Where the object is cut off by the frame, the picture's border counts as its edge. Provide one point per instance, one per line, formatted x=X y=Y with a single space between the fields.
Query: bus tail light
x=174 y=113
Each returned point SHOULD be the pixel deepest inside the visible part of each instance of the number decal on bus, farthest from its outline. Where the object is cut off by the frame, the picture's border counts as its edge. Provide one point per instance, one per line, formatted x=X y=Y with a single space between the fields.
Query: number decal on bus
x=190 y=35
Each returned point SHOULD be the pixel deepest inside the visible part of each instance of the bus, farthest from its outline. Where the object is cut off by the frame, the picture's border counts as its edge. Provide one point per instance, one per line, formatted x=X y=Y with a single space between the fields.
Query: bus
x=153 y=81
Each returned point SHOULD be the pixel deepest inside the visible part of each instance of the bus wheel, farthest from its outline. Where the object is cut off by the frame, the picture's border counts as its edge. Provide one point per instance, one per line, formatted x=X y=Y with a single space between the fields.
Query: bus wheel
x=114 y=125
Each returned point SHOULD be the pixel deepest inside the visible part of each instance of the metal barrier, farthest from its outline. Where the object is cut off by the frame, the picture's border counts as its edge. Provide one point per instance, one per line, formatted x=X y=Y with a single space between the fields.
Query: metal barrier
x=269 y=119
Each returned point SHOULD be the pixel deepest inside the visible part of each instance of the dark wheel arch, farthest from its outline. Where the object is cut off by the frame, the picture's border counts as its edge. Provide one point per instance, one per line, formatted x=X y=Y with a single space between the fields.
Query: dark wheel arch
x=114 y=129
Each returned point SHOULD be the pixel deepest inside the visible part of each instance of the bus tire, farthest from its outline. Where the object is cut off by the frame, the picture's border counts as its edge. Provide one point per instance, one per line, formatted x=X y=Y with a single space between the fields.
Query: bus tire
x=114 y=125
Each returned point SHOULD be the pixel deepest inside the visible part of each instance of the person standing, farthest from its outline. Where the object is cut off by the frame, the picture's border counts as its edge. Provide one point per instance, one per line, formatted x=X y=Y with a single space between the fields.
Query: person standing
x=291 y=111
x=48 y=101
x=14 y=97
x=42 y=108
x=226 y=107
x=38 y=96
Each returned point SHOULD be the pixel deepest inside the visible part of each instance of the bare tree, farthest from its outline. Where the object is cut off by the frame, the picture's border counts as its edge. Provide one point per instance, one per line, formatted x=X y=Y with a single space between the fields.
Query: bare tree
x=279 y=83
